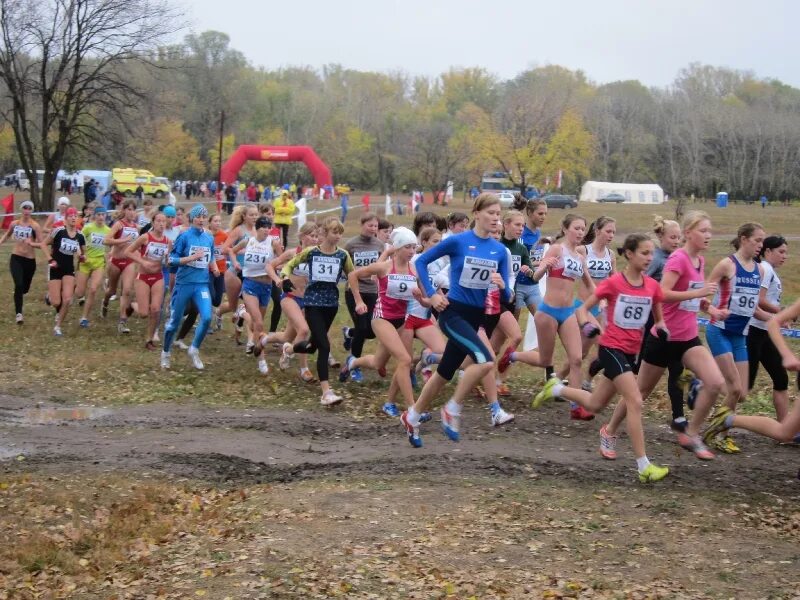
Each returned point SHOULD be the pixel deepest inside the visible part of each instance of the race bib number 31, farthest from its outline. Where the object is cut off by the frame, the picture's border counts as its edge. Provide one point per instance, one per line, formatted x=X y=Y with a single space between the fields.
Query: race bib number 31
x=477 y=273
x=325 y=268
x=631 y=312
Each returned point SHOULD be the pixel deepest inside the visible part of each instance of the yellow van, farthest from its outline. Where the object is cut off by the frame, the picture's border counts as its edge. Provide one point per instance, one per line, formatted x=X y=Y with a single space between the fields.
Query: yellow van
x=127 y=180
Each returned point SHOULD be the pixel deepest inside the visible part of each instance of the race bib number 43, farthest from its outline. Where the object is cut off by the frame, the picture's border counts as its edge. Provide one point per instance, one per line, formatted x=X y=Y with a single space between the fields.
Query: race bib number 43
x=631 y=312
x=477 y=273
x=325 y=268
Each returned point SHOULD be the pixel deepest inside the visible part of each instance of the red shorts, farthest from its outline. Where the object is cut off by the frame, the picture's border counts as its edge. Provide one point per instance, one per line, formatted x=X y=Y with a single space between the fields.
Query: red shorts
x=121 y=263
x=150 y=278
x=414 y=322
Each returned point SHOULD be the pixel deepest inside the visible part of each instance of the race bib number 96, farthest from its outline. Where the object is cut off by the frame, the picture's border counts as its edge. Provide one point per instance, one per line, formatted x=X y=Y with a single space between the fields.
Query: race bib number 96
x=744 y=301
x=477 y=273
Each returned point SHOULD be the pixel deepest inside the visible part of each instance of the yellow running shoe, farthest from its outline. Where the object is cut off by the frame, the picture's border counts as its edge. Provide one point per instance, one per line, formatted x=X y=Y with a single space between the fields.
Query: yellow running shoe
x=728 y=446
x=685 y=378
x=546 y=393
x=653 y=473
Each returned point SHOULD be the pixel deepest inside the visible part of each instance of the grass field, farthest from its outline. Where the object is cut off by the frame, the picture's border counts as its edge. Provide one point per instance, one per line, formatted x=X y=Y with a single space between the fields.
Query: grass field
x=408 y=525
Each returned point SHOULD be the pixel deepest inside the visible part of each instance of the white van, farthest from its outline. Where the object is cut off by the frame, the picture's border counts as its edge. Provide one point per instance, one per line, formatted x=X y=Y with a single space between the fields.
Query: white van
x=23 y=179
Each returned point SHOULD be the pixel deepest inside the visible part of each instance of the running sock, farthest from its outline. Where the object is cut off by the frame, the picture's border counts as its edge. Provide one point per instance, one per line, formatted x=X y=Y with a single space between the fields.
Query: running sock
x=512 y=358
x=433 y=358
x=453 y=407
x=494 y=406
x=642 y=463
x=413 y=416
x=548 y=371
x=557 y=389
x=729 y=420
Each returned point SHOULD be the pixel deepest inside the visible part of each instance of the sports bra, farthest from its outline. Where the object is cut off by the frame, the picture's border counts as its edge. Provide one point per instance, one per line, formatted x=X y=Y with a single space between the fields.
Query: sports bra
x=155 y=249
x=569 y=266
x=599 y=266
x=394 y=291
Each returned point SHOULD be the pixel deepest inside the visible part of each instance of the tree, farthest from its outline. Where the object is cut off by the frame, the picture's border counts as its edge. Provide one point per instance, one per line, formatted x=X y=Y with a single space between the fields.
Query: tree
x=174 y=153
x=63 y=65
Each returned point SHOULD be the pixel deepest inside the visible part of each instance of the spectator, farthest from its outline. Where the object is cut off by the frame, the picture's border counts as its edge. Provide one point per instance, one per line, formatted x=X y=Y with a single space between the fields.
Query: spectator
x=764 y=201
x=230 y=197
x=252 y=192
x=139 y=192
x=284 y=210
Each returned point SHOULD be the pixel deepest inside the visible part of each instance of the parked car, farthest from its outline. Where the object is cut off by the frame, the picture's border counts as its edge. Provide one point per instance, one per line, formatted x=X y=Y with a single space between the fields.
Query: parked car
x=612 y=198
x=560 y=201
x=506 y=199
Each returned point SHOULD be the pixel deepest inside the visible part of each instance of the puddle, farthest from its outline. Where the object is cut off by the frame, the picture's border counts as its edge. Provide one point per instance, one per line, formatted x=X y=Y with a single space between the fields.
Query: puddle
x=42 y=416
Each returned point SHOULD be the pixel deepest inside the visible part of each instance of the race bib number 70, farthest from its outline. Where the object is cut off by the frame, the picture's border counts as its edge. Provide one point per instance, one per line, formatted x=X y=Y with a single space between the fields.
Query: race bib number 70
x=477 y=273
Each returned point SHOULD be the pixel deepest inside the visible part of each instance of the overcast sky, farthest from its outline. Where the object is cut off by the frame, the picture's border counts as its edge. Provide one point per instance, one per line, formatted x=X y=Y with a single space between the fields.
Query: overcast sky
x=610 y=40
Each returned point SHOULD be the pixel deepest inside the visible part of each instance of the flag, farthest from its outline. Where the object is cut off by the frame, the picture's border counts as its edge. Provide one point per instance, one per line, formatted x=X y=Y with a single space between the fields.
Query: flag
x=300 y=205
x=388 y=205
x=8 y=208
x=558 y=179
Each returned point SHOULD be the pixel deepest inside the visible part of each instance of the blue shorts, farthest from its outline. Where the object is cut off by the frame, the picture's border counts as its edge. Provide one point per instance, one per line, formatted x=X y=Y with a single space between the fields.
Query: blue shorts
x=594 y=311
x=300 y=302
x=559 y=313
x=725 y=342
x=262 y=291
x=527 y=295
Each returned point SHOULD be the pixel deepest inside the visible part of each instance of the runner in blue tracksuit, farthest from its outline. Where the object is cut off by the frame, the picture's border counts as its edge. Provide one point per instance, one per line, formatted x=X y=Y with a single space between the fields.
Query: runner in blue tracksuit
x=476 y=262
x=191 y=254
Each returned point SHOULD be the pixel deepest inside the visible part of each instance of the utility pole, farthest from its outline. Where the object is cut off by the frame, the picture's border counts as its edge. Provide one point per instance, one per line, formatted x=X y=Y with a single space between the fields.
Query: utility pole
x=219 y=158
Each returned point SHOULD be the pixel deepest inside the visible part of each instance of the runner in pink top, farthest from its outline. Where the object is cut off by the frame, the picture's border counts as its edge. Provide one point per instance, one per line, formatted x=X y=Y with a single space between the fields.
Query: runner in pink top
x=685 y=294
x=631 y=296
x=397 y=284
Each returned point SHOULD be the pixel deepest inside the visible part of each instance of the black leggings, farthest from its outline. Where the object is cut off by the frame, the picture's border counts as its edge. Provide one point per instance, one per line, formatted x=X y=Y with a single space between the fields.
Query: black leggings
x=319 y=319
x=760 y=349
x=459 y=323
x=275 y=293
x=22 y=271
x=362 y=324
x=674 y=370
x=284 y=234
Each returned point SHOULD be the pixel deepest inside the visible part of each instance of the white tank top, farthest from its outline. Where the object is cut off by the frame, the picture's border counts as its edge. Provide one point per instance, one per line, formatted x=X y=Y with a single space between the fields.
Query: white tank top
x=599 y=266
x=256 y=256
x=772 y=283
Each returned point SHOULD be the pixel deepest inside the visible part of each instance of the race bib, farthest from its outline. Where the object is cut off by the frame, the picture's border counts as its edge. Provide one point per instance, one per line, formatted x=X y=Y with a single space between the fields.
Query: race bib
x=477 y=273
x=142 y=221
x=364 y=258
x=599 y=268
x=22 y=232
x=253 y=257
x=156 y=251
x=631 y=312
x=68 y=246
x=693 y=305
x=401 y=287
x=130 y=232
x=516 y=264
x=96 y=240
x=301 y=270
x=201 y=263
x=537 y=252
x=217 y=252
x=325 y=268
x=573 y=267
x=744 y=301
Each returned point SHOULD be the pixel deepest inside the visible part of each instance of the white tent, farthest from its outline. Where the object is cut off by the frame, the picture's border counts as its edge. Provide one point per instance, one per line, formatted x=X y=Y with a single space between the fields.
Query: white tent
x=635 y=193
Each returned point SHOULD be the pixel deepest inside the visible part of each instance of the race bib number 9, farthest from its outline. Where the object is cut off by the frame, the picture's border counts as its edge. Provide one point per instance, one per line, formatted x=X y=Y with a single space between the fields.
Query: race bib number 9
x=401 y=287
x=744 y=301
x=364 y=258
x=693 y=305
x=201 y=263
x=631 y=312
x=325 y=268
x=477 y=273
x=68 y=247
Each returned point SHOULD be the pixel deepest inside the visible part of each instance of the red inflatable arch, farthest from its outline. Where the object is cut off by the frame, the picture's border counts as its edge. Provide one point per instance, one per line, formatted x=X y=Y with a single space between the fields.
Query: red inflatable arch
x=305 y=154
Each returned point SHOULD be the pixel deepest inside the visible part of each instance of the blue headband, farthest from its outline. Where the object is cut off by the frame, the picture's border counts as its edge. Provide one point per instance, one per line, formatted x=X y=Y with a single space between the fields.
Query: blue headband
x=198 y=210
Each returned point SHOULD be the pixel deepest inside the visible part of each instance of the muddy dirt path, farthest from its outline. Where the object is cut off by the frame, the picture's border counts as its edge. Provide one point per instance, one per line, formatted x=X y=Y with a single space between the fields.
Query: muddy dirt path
x=235 y=446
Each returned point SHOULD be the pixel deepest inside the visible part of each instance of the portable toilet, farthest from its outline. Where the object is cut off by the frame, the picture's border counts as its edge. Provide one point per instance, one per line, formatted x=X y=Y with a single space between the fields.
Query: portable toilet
x=722 y=199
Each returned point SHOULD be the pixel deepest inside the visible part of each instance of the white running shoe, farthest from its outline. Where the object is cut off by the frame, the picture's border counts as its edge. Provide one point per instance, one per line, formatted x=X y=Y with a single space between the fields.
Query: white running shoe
x=156 y=339
x=194 y=354
x=333 y=362
x=122 y=327
x=329 y=398
x=286 y=357
x=501 y=417
x=181 y=344
x=57 y=331
x=248 y=349
x=20 y=319
x=263 y=367
x=165 y=360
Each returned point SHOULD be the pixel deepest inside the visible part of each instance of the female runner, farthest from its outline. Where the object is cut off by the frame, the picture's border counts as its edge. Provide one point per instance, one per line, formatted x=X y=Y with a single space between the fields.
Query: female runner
x=564 y=264
x=25 y=232
x=397 y=284
x=760 y=348
x=685 y=292
x=739 y=279
x=150 y=251
x=242 y=228
x=476 y=261
x=527 y=293
x=66 y=243
x=326 y=263
x=91 y=271
x=631 y=297
x=121 y=269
